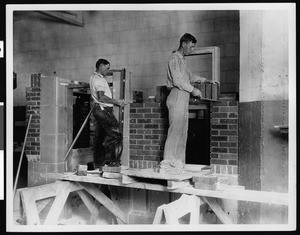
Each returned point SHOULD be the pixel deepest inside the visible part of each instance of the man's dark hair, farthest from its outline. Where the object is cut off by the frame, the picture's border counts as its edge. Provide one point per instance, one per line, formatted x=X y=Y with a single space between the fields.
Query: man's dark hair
x=101 y=61
x=187 y=38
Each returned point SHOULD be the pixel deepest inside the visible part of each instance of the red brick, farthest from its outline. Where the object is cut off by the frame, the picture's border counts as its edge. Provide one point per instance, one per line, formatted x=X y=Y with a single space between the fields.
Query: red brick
x=136 y=136
x=219 y=115
x=144 y=110
x=135 y=146
x=159 y=131
x=228 y=121
x=214 y=144
x=136 y=126
x=219 y=150
x=143 y=120
x=144 y=142
x=229 y=109
x=214 y=155
x=219 y=138
x=152 y=158
x=136 y=157
x=228 y=132
x=227 y=156
x=219 y=126
x=136 y=115
x=218 y=161
x=233 y=150
x=232 y=162
x=143 y=131
x=151 y=115
x=152 y=147
x=158 y=142
x=132 y=121
x=151 y=126
x=153 y=137
x=228 y=144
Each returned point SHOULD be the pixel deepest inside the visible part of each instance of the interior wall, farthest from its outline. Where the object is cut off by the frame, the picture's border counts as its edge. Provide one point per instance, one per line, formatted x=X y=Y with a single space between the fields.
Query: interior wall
x=140 y=41
x=263 y=150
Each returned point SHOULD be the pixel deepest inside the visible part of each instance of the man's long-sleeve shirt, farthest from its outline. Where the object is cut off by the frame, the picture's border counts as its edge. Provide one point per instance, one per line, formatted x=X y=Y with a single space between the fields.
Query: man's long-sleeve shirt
x=179 y=75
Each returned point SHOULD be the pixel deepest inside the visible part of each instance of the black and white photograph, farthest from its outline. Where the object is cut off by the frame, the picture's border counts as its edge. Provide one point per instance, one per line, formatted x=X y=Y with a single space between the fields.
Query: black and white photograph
x=150 y=117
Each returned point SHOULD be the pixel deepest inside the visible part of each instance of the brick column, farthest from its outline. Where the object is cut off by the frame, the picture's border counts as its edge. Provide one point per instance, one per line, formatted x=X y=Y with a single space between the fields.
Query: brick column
x=148 y=133
x=33 y=98
x=224 y=135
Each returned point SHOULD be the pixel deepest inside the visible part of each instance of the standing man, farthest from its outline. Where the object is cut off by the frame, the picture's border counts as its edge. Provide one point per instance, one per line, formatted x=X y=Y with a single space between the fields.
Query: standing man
x=108 y=142
x=179 y=79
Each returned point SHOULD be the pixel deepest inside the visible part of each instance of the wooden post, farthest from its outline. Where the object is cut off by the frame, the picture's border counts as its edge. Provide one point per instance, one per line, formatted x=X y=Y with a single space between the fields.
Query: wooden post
x=21 y=157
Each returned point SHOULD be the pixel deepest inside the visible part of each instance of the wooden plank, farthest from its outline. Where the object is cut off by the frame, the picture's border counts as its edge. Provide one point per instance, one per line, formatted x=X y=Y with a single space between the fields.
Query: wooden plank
x=128 y=98
x=121 y=201
x=104 y=200
x=158 y=215
x=215 y=206
x=95 y=213
x=244 y=195
x=58 y=204
x=149 y=173
x=111 y=175
x=29 y=208
x=43 y=203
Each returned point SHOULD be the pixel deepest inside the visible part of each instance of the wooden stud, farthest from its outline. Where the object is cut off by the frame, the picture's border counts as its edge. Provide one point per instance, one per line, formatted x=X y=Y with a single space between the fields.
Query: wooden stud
x=58 y=205
x=104 y=200
x=215 y=206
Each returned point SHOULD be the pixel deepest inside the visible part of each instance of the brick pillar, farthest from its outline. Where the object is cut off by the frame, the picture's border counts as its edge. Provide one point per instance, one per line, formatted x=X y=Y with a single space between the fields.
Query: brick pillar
x=224 y=135
x=33 y=98
x=51 y=130
x=148 y=133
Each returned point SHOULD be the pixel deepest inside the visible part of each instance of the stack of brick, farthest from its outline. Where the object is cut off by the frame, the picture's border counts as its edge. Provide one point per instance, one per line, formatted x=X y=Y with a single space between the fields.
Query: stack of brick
x=33 y=98
x=148 y=133
x=224 y=135
x=207 y=182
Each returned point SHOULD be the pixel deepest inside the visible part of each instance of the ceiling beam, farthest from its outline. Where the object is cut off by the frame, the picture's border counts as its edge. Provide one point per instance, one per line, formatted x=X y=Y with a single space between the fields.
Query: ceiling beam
x=61 y=17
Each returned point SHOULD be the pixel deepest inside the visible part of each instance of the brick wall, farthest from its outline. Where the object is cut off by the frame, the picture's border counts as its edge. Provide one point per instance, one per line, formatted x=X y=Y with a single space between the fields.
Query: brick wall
x=33 y=98
x=149 y=128
x=224 y=135
x=148 y=132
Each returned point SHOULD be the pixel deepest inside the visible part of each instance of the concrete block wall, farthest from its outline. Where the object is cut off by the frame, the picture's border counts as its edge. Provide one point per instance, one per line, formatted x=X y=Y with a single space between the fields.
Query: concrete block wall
x=140 y=41
x=51 y=130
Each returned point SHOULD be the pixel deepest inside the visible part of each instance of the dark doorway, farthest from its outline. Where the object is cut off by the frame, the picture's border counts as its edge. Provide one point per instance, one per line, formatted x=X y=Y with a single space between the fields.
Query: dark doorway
x=198 y=141
x=81 y=109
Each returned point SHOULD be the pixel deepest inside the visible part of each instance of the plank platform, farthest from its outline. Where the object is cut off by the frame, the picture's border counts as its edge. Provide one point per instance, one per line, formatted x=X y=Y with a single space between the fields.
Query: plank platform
x=235 y=194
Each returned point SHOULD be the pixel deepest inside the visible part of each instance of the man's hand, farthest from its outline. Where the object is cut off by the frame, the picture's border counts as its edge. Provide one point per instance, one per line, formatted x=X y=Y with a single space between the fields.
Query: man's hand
x=213 y=82
x=196 y=92
x=121 y=103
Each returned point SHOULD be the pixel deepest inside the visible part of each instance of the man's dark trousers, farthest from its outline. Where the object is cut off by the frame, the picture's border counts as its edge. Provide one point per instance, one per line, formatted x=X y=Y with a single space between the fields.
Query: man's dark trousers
x=108 y=141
